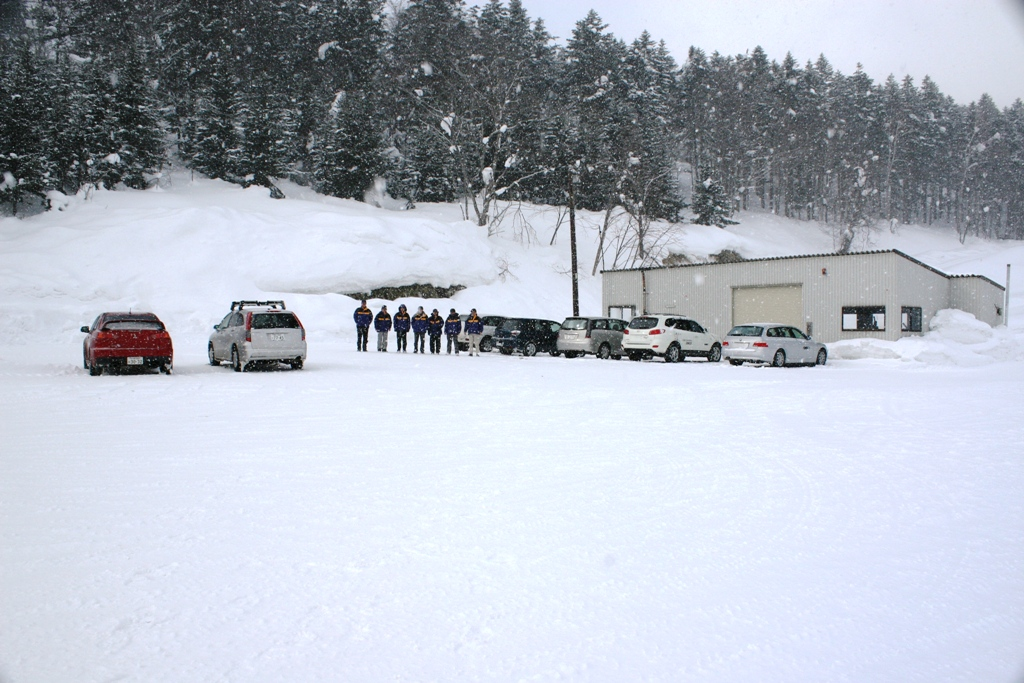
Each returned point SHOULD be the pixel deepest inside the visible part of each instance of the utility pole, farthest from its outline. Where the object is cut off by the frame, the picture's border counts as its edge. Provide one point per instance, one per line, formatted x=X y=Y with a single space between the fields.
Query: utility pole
x=572 y=240
x=1006 y=299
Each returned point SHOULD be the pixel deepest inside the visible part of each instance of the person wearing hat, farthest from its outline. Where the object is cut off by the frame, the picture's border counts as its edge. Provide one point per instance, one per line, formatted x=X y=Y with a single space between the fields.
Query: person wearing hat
x=382 y=323
x=474 y=330
x=435 y=328
x=402 y=325
x=363 y=317
x=419 y=330
x=452 y=327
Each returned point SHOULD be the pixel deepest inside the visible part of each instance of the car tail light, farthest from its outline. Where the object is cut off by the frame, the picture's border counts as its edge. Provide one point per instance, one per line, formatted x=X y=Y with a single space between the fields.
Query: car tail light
x=654 y=332
x=248 y=327
x=587 y=335
x=725 y=343
x=625 y=331
x=515 y=333
x=301 y=328
x=761 y=345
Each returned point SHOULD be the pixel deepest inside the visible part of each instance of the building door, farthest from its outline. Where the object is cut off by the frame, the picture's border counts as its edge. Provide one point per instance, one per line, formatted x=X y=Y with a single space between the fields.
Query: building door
x=768 y=305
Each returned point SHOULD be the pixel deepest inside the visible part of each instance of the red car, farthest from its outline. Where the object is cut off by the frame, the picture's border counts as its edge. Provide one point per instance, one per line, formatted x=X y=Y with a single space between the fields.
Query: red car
x=127 y=340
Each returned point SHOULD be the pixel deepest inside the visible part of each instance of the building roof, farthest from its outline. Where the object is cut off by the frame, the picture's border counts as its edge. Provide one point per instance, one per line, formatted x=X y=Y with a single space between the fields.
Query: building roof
x=807 y=256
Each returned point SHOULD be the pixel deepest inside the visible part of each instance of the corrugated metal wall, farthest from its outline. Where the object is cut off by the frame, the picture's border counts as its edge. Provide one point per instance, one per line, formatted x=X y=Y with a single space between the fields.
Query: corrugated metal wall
x=922 y=288
x=828 y=283
x=978 y=296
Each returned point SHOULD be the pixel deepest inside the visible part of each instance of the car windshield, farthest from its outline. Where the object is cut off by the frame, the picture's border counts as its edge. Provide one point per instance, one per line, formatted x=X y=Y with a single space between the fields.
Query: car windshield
x=575 y=324
x=133 y=325
x=273 y=321
x=746 y=331
x=643 y=323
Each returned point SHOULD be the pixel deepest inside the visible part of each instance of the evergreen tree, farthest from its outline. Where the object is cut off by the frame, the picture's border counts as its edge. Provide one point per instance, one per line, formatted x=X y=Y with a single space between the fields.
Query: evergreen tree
x=711 y=204
x=137 y=135
x=348 y=156
x=22 y=125
x=210 y=139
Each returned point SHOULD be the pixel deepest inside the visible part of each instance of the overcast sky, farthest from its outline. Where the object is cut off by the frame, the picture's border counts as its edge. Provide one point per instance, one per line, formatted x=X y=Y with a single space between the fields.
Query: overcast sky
x=968 y=47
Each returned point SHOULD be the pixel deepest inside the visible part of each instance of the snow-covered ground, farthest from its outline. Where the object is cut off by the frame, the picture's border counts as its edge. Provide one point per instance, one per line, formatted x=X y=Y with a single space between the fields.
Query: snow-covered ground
x=398 y=517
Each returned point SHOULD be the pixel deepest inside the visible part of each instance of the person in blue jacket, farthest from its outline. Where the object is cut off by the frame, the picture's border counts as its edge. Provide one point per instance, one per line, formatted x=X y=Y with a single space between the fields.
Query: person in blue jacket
x=452 y=327
x=402 y=324
x=363 y=317
x=474 y=330
x=435 y=328
x=419 y=330
x=382 y=323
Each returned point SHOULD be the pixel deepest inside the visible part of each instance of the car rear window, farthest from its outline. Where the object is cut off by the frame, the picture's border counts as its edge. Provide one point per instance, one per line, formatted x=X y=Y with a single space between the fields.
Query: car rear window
x=575 y=324
x=746 y=331
x=493 y=320
x=512 y=325
x=133 y=325
x=643 y=323
x=273 y=321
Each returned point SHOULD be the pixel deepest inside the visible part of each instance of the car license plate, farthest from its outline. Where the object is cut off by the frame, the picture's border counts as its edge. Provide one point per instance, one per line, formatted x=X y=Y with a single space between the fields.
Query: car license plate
x=276 y=337
x=134 y=360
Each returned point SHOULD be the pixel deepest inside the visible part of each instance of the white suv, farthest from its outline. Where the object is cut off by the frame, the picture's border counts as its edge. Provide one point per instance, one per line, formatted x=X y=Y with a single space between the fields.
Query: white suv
x=672 y=337
x=258 y=332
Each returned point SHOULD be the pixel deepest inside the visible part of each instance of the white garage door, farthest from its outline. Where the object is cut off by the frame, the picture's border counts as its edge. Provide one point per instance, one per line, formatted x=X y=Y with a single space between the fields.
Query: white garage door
x=768 y=305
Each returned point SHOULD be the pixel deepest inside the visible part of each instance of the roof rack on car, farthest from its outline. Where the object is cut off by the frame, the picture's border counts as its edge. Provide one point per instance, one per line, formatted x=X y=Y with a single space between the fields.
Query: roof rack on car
x=239 y=305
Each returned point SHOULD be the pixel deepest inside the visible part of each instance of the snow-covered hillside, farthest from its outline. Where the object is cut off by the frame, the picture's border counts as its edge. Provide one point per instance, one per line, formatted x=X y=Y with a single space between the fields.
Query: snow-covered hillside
x=187 y=249
x=421 y=518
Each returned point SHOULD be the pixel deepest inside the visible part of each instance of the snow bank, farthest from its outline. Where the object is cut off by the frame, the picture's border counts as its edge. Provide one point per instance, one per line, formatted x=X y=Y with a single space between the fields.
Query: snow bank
x=954 y=338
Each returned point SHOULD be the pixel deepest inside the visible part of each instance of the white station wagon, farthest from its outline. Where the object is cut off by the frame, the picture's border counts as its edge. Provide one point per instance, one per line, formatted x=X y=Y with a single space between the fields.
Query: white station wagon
x=773 y=343
x=672 y=337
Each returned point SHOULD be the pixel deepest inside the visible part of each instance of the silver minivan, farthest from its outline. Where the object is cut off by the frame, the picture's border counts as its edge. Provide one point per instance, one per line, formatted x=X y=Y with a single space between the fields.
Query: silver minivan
x=258 y=332
x=599 y=336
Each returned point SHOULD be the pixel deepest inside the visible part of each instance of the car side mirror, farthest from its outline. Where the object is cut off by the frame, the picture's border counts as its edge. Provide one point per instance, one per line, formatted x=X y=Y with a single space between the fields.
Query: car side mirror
x=85 y=328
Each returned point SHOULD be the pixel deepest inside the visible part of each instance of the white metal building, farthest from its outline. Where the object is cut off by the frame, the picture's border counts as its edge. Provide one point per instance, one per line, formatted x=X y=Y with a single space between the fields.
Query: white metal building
x=884 y=294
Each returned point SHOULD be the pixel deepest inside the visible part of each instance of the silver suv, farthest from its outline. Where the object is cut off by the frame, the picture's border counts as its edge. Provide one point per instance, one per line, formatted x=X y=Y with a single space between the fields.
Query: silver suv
x=254 y=332
x=599 y=336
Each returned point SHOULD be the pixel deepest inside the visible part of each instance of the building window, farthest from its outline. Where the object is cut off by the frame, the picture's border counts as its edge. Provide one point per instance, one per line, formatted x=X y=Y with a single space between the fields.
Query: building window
x=910 y=319
x=863 y=318
x=622 y=312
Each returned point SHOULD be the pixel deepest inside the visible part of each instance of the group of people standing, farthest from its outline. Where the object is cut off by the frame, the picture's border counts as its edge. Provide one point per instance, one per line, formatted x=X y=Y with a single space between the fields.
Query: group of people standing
x=421 y=325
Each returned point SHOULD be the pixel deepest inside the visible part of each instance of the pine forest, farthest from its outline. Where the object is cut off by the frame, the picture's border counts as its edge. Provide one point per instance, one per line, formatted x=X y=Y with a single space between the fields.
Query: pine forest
x=480 y=106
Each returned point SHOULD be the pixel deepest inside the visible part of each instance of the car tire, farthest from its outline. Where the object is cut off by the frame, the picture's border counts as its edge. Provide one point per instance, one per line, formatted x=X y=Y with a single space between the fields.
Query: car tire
x=674 y=353
x=296 y=364
x=166 y=369
x=530 y=349
x=486 y=345
x=779 y=359
x=822 y=357
x=95 y=370
x=236 y=361
x=605 y=352
x=213 y=358
x=635 y=355
x=505 y=352
x=733 y=361
x=715 y=354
